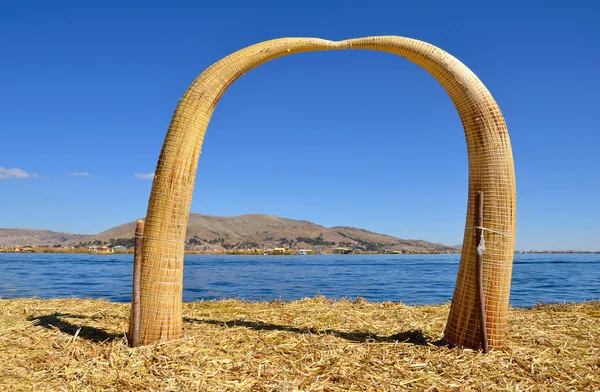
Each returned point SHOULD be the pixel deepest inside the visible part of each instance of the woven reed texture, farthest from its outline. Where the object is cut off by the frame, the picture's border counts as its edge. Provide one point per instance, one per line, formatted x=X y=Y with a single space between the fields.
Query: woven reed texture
x=491 y=170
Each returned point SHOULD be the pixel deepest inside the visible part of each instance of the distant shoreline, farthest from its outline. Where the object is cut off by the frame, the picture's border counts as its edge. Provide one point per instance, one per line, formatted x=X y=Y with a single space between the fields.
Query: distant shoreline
x=231 y=253
x=288 y=253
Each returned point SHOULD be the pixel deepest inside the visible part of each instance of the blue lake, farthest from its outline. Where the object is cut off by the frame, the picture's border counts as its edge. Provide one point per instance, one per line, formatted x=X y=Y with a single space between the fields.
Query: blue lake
x=412 y=279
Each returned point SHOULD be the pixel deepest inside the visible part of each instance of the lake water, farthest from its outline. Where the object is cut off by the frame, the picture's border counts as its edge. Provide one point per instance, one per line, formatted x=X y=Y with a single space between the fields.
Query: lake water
x=412 y=279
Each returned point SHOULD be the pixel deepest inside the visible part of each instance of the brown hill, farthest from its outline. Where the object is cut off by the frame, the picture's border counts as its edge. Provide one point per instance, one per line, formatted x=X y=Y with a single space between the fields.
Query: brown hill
x=251 y=231
x=35 y=237
x=384 y=240
x=253 y=227
x=258 y=230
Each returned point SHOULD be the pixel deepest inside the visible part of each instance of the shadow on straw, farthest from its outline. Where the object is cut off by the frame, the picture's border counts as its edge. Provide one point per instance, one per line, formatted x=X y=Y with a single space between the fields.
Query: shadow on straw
x=415 y=337
x=57 y=321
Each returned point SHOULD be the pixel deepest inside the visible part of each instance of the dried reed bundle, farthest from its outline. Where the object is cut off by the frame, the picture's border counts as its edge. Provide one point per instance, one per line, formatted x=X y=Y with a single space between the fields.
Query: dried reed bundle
x=491 y=171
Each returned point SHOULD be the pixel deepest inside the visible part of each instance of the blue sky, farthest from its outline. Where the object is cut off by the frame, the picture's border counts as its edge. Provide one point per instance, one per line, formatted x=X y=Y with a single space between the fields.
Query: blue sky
x=357 y=138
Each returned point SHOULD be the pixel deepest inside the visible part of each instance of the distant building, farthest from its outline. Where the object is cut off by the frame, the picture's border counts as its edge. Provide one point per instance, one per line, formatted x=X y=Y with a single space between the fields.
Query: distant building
x=342 y=251
x=28 y=249
x=279 y=251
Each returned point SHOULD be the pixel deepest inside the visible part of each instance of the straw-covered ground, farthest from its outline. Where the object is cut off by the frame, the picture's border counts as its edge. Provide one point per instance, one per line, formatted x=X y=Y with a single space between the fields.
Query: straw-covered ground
x=307 y=345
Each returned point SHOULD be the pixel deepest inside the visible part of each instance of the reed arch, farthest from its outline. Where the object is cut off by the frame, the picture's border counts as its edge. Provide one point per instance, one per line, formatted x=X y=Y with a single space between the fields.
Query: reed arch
x=491 y=171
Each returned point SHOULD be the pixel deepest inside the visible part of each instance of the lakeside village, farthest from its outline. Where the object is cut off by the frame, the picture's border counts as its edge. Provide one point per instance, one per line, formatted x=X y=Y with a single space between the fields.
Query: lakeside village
x=120 y=249
x=195 y=246
x=280 y=246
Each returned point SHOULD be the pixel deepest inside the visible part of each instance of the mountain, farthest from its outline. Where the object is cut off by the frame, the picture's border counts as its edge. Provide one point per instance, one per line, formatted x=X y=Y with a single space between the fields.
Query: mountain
x=39 y=237
x=241 y=232
x=249 y=227
x=361 y=236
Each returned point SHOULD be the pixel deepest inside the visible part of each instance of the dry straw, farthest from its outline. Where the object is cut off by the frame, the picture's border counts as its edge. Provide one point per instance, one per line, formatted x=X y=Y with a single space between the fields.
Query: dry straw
x=491 y=171
x=307 y=345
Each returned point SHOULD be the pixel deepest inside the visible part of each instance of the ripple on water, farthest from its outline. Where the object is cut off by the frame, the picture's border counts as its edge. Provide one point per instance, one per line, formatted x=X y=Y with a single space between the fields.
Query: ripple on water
x=412 y=279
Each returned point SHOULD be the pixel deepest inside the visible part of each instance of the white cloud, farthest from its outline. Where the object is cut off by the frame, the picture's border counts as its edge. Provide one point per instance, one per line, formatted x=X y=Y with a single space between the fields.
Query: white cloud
x=14 y=173
x=79 y=174
x=145 y=176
